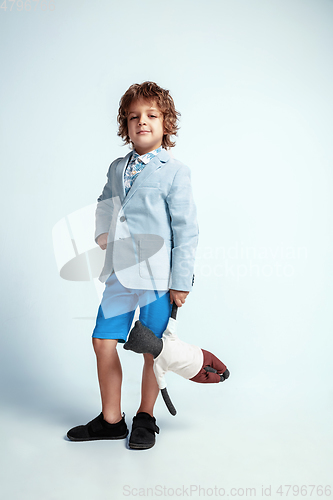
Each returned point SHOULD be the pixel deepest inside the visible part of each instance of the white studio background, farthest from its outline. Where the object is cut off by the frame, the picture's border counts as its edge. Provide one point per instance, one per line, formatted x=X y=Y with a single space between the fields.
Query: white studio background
x=253 y=80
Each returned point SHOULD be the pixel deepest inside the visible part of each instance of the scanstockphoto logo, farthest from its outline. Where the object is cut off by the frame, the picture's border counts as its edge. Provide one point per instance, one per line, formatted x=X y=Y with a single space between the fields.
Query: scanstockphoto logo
x=198 y=491
x=238 y=261
x=192 y=490
x=79 y=258
x=27 y=5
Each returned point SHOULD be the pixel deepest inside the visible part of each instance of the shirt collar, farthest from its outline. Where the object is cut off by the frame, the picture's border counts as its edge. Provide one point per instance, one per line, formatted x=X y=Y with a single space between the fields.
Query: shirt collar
x=146 y=157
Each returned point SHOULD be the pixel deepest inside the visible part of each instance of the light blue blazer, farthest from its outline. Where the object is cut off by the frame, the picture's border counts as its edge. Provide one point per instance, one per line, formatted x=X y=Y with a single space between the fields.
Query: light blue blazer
x=153 y=231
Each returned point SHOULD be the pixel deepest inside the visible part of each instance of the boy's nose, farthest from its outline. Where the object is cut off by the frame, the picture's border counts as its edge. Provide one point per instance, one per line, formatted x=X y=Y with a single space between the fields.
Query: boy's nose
x=142 y=120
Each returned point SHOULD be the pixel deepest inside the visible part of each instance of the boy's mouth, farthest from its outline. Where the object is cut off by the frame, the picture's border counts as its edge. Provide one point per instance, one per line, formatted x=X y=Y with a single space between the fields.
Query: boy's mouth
x=143 y=132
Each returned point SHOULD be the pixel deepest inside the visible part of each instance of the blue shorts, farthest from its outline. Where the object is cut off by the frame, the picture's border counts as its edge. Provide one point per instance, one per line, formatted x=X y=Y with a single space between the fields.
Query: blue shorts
x=116 y=312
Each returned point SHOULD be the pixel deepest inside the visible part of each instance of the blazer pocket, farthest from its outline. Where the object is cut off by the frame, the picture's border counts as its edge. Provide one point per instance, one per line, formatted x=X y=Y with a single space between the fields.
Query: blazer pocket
x=154 y=258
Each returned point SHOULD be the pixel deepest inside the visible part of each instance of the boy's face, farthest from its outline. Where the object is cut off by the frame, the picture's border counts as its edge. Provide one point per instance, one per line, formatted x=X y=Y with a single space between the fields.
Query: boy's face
x=145 y=126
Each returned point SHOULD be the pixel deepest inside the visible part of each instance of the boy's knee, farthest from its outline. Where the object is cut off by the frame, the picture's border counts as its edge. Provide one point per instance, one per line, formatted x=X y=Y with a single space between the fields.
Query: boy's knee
x=104 y=346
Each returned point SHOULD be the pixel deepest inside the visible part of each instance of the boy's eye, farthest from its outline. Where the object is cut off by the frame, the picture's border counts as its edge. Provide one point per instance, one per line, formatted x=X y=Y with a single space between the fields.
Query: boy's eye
x=150 y=116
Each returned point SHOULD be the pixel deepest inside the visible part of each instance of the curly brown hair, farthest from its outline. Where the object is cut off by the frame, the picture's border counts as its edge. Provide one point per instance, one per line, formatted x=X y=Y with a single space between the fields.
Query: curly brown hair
x=151 y=92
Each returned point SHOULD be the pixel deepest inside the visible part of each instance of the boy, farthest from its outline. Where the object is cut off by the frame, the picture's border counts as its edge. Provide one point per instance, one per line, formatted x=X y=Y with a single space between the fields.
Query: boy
x=146 y=222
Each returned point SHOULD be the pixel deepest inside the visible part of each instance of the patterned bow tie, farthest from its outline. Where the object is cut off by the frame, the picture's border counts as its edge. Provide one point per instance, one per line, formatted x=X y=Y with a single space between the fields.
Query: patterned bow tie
x=136 y=165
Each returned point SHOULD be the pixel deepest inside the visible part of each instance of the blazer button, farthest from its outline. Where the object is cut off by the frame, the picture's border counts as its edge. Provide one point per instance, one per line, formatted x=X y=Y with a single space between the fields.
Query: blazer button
x=122 y=218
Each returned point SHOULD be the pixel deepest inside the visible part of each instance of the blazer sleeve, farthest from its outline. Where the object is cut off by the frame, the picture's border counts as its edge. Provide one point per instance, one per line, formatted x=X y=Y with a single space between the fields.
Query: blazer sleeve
x=185 y=231
x=104 y=209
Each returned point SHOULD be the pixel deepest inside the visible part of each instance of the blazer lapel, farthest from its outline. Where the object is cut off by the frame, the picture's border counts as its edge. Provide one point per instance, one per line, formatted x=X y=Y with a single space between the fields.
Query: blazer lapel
x=119 y=176
x=153 y=165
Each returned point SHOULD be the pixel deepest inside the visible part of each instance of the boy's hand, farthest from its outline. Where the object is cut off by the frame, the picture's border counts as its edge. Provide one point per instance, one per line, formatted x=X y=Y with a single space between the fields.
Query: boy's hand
x=178 y=297
x=102 y=240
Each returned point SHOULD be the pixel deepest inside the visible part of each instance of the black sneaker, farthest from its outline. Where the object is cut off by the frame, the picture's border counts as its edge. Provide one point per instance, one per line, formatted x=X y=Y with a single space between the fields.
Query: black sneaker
x=143 y=432
x=99 y=429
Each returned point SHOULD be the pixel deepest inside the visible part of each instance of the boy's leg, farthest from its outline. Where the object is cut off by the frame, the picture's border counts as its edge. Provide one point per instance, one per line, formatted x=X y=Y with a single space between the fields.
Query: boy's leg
x=144 y=423
x=113 y=322
x=149 y=387
x=109 y=377
x=110 y=424
x=155 y=316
